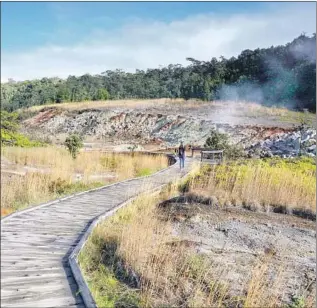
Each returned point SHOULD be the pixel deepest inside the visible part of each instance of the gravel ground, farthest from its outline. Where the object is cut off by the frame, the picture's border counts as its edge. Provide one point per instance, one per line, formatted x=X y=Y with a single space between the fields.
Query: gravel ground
x=236 y=239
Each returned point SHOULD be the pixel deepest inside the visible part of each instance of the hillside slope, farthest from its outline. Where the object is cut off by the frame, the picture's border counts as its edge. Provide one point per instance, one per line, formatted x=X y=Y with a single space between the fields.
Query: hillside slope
x=162 y=128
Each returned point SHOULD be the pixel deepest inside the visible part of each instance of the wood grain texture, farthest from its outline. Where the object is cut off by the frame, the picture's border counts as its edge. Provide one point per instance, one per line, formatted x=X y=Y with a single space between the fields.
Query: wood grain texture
x=37 y=244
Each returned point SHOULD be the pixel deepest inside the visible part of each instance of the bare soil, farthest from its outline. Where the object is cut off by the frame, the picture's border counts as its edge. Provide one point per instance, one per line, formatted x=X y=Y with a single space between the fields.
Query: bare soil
x=236 y=239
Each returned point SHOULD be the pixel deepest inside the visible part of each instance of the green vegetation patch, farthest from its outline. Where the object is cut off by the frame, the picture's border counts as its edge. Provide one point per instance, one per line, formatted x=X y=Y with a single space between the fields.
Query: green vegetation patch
x=9 y=132
x=285 y=184
x=144 y=172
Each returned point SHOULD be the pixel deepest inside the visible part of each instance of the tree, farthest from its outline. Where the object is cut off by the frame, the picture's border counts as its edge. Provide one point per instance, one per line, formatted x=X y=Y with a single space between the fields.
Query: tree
x=219 y=141
x=281 y=75
x=63 y=94
x=9 y=121
x=102 y=94
x=74 y=144
x=216 y=141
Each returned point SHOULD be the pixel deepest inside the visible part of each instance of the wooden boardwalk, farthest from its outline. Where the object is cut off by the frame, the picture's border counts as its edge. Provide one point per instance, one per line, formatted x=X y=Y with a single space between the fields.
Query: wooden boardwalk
x=36 y=244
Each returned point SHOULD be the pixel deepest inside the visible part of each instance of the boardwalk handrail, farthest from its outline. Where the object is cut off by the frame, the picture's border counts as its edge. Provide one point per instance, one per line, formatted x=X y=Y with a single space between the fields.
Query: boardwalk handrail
x=207 y=153
x=193 y=149
x=213 y=151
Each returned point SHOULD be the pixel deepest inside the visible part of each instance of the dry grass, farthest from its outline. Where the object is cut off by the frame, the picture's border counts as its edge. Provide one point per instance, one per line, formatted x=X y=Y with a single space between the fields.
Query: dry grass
x=129 y=103
x=133 y=259
x=55 y=173
x=254 y=108
x=272 y=182
x=261 y=292
x=279 y=113
x=129 y=260
x=135 y=242
x=232 y=108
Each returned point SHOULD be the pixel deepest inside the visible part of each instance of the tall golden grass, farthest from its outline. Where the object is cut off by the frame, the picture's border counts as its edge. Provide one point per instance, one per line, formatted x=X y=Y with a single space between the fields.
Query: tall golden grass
x=137 y=243
x=55 y=165
x=108 y=104
x=133 y=258
x=274 y=182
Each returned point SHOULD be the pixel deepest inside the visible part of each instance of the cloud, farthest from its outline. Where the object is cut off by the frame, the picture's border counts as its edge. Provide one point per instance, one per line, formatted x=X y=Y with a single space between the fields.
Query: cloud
x=142 y=44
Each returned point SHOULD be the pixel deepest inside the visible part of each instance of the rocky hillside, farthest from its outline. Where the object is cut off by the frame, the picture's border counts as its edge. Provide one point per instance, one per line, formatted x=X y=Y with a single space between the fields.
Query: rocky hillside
x=167 y=130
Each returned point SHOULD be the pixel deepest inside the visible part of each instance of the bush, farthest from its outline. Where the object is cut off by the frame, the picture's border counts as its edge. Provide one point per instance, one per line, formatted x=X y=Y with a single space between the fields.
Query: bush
x=16 y=139
x=59 y=186
x=9 y=132
x=220 y=141
x=234 y=152
x=217 y=141
x=184 y=186
x=297 y=302
x=73 y=144
x=102 y=94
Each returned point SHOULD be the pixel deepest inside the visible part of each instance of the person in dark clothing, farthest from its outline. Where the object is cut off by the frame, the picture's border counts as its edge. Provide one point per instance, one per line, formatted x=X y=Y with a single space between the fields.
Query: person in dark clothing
x=181 y=155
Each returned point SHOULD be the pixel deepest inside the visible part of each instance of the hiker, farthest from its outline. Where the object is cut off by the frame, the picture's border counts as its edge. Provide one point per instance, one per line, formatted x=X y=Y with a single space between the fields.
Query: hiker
x=181 y=155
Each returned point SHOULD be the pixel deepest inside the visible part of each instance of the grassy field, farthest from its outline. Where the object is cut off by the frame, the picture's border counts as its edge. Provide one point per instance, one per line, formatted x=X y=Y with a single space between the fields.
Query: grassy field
x=105 y=104
x=53 y=173
x=290 y=184
x=133 y=259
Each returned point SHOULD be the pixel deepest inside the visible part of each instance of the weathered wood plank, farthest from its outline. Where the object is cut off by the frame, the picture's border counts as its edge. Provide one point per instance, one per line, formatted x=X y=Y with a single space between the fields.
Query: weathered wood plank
x=30 y=252
x=36 y=243
x=41 y=263
x=52 y=301
x=30 y=272
x=36 y=268
x=37 y=282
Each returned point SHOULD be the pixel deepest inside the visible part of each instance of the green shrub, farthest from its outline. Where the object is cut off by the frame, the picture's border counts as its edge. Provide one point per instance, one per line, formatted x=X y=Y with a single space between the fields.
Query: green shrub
x=220 y=141
x=73 y=143
x=216 y=141
x=184 y=186
x=234 y=152
x=297 y=302
x=59 y=186
x=17 y=139
x=102 y=94
x=9 y=132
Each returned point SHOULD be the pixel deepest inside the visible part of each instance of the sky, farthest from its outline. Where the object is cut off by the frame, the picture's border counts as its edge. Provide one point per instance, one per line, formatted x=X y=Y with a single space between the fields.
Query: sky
x=58 y=39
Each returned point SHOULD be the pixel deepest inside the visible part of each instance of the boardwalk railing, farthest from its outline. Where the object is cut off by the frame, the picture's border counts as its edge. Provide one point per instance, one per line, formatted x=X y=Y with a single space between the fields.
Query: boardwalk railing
x=213 y=157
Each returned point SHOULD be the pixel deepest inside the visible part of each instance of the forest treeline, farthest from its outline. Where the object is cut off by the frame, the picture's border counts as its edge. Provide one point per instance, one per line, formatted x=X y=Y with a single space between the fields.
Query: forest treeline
x=281 y=75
